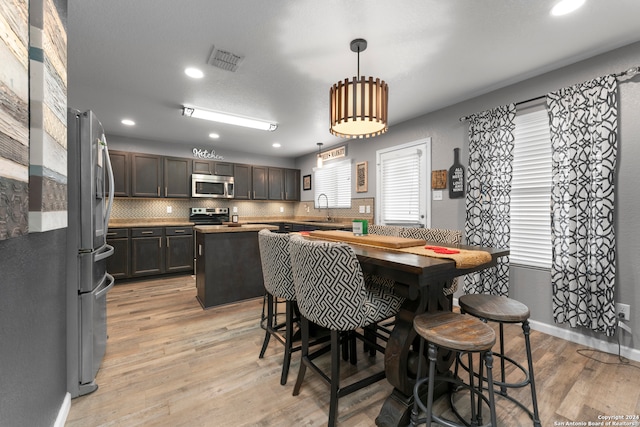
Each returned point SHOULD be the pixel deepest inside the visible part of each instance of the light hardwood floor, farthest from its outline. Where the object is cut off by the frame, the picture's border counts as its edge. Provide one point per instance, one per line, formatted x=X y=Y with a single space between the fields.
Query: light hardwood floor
x=171 y=363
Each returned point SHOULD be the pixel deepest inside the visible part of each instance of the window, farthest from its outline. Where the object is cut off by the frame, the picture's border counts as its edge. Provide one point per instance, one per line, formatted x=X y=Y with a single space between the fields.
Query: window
x=333 y=181
x=403 y=185
x=531 y=190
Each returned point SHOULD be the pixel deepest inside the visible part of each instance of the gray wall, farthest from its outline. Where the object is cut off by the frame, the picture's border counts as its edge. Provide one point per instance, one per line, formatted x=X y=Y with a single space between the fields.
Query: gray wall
x=533 y=286
x=33 y=369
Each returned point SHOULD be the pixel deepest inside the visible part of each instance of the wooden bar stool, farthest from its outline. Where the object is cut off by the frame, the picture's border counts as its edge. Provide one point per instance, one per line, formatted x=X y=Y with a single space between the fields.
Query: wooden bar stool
x=505 y=310
x=460 y=333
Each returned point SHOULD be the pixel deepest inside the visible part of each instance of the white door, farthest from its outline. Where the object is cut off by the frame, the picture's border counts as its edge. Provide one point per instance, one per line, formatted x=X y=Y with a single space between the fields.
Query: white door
x=403 y=182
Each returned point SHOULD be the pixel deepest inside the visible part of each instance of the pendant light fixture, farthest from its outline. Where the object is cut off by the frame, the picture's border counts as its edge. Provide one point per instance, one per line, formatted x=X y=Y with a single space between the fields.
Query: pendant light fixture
x=358 y=107
x=319 y=156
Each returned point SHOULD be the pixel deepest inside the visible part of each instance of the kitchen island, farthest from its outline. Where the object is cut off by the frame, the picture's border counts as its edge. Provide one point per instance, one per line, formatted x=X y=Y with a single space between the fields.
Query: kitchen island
x=228 y=265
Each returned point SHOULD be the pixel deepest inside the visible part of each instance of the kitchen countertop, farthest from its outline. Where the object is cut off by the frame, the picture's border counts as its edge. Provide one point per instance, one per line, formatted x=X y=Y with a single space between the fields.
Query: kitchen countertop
x=226 y=229
x=318 y=222
x=151 y=222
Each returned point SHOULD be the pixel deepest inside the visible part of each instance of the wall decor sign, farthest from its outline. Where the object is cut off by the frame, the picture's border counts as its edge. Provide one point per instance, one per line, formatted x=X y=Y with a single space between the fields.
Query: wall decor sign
x=201 y=153
x=306 y=182
x=439 y=179
x=456 y=177
x=14 y=119
x=334 y=153
x=361 y=177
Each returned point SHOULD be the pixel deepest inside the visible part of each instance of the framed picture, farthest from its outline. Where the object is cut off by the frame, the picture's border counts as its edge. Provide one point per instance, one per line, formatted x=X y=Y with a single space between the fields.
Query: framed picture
x=361 y=177
x=306 y=182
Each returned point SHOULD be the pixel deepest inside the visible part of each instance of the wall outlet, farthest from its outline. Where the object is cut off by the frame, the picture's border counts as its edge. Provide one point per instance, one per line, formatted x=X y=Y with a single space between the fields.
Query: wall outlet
x=437 y=195
x=361 y=209
x=169 y=209
x=281 y=208
x=235 y=209
x=623 y=311
x=368 y=208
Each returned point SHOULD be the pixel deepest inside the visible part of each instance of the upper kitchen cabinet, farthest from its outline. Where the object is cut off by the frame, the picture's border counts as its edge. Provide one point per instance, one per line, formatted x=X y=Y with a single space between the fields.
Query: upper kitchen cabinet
x=276 y=184
x=120 y=163
x=292 y=184
x=242 y=187
x=260 y=182
x=213 y=168
x=146 y=174
x=177 y=177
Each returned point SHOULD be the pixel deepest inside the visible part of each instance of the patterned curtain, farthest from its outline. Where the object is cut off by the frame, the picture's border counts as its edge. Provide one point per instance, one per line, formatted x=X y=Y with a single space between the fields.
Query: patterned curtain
x=489 y=194
x=584 y=129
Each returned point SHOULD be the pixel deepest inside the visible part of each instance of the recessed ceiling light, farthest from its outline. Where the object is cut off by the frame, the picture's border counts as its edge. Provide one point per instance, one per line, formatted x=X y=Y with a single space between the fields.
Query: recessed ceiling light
x=564 y=7
x=276 y=145
x=214 y=136
x=128 y=122
x=194 y=73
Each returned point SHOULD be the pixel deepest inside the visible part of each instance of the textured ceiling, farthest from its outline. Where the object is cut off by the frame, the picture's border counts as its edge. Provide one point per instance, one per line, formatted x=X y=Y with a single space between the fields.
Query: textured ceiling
x=127 y=59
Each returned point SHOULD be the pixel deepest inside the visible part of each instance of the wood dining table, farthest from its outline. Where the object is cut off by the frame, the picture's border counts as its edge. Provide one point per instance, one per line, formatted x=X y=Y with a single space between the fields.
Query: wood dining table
x=421 y=280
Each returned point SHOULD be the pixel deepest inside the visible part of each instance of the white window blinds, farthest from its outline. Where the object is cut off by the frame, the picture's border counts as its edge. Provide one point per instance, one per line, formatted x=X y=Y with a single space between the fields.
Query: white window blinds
x=400 y=182
x=334 y=181
x=531 y=191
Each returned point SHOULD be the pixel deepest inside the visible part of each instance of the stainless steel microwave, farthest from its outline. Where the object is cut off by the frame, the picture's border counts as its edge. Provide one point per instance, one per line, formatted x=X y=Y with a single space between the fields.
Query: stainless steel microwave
x=215 y=186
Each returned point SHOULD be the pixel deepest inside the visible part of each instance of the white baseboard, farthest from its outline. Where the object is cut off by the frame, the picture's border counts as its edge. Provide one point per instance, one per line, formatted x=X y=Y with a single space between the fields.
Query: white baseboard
x=64 y=411
x=578 y=338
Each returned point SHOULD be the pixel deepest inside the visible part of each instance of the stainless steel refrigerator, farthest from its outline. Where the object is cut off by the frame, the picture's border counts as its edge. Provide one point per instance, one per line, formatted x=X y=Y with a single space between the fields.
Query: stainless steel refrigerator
x=89 y=207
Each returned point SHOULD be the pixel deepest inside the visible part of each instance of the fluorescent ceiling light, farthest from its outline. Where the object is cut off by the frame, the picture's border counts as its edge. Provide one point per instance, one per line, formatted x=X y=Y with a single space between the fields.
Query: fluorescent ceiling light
x=214 y=136
x=231 y=119
x=564 y=7
x=276 y=145
x=128 y=122
x=194 y=73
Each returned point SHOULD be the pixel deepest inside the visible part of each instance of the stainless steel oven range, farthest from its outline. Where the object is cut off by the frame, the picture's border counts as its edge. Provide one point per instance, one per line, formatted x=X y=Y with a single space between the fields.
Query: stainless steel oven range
x=209 y=216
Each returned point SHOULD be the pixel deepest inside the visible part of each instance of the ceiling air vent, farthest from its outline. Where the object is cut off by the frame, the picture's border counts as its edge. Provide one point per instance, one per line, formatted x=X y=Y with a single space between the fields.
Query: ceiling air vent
x=226 y=60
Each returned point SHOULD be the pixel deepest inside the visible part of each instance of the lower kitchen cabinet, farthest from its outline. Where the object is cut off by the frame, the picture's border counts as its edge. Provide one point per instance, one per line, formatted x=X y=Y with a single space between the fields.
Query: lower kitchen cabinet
x=179 y=253
x=118 y=263
x=147 y=251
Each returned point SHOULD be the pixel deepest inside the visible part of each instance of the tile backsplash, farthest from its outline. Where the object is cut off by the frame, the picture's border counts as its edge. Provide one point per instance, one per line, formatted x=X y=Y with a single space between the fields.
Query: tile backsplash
x=131 y=208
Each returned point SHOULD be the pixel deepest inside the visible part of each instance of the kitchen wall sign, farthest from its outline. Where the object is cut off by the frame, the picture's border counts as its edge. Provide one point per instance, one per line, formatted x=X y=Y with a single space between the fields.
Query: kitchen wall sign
x=439 y=180
x=361 y=177
x=206 y=154
x=456 y=177
x=334 y=153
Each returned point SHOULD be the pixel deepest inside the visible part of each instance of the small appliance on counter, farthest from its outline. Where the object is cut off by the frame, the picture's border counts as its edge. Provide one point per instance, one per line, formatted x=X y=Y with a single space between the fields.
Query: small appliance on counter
x=209 y=216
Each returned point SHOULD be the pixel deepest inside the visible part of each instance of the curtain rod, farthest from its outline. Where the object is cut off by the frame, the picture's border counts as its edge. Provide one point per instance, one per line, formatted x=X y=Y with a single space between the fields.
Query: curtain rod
x=631 y=72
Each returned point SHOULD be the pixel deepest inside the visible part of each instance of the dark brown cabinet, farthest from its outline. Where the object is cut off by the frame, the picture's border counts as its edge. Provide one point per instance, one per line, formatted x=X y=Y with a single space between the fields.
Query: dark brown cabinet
x=179 y=253
x=209 y=167
x=292 y=184
x=260 y=182
x=276 y=184
x=242 y=181
x=146 y=175
x=118 y=263
x=147 y=251
x=120 y=164
x=177 y=177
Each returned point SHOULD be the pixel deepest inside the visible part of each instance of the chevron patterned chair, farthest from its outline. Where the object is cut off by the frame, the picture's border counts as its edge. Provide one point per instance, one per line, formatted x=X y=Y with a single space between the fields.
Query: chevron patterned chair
x=331 y=292
x=385 y=230
x=278 y=282
x=437 y=235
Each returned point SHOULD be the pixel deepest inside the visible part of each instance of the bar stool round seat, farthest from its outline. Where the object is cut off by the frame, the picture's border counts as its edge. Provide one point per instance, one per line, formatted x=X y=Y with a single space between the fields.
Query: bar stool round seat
x=463 y=334
x=503 y=310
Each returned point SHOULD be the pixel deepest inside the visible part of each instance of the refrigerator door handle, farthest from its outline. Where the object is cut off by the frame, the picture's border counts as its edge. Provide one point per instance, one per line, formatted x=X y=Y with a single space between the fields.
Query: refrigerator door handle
x=107 y=215
x=107 y=288
x=104 y=253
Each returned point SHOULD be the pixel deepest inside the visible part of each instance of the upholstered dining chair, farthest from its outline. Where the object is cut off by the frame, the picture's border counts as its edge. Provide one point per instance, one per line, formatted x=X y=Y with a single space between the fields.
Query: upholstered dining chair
x=437 y=235
x=331 y=292
x=385 y=230
x=278 y=282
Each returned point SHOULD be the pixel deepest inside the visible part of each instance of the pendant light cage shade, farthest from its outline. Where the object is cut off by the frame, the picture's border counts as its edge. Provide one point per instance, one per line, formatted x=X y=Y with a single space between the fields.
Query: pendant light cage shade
x=358 y=108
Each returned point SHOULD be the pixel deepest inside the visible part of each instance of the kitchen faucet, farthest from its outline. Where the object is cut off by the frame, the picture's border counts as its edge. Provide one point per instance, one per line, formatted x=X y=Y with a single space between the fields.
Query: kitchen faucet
x=327 y=200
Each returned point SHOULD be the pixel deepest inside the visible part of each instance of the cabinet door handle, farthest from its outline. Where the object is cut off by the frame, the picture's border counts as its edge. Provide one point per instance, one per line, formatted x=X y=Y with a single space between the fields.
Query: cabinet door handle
x=254 y=194
x=165 y=192
x=158 y=191
x=167 y=242
x=147 y=232
x=179 y=231
x=160 y=242
x=200 y=250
